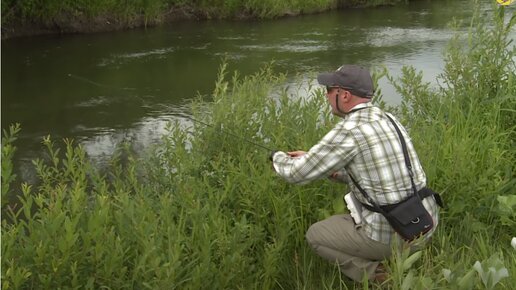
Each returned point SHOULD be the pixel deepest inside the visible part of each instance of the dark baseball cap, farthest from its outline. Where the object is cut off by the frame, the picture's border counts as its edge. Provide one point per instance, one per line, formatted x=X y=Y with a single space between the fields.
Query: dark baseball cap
x=352 y=77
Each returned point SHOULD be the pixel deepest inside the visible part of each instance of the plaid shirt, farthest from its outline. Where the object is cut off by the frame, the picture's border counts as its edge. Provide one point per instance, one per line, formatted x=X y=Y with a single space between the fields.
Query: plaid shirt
x=365 y=144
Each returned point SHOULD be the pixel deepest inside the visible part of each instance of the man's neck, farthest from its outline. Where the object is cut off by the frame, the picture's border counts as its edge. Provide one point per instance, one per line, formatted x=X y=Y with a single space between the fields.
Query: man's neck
x=359 y=103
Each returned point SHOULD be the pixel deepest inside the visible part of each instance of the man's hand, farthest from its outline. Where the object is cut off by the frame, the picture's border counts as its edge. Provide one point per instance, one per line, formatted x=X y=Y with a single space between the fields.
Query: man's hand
x=296 y=153
x=334 y=176
x=339 y=176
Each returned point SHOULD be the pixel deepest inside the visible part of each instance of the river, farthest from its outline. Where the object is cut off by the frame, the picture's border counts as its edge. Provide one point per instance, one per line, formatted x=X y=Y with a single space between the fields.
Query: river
x=105 y=88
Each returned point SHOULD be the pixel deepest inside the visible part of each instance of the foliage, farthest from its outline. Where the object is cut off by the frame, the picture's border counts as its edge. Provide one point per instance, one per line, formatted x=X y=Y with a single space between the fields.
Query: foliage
x=507 y=210
x=204 y=209
x=65 y=13
x=491 y=271
x=8 y=151
x=473 y=115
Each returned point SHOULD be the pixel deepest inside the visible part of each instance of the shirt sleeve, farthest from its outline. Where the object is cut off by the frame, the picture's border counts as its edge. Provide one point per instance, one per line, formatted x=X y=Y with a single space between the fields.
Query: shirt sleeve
x=331 y=154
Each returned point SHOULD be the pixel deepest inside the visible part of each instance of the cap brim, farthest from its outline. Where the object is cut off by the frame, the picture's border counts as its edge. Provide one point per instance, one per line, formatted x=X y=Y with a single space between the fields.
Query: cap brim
x=327 y=79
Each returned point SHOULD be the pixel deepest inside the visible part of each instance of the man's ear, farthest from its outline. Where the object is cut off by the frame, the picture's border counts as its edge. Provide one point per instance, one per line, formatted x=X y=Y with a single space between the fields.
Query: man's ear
x=347 y=96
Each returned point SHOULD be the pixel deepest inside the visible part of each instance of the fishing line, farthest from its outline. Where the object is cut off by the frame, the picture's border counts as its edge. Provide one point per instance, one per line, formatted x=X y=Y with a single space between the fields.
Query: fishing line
x=83 y=79
x=100 y=85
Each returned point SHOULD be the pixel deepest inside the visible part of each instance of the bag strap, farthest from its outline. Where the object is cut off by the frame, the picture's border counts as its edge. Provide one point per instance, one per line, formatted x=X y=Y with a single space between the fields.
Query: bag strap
x=422 y=193
x=425 y=192
x=407 y=163
x=375 y=206
x=405 y=154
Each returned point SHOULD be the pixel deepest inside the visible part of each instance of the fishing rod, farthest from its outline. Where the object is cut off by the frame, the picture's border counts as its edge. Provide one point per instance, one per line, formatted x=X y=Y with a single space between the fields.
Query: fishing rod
x=218 y=129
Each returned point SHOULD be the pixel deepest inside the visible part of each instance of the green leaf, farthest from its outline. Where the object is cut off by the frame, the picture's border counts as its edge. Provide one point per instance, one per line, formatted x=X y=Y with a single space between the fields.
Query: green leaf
x=408 y=281
x=447 y=273
x=467 y=281
x=407 y=264
x=491 y=271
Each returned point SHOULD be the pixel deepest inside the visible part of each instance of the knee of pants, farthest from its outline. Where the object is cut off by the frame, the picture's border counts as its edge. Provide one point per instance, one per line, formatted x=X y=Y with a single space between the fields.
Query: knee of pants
x=312 y=236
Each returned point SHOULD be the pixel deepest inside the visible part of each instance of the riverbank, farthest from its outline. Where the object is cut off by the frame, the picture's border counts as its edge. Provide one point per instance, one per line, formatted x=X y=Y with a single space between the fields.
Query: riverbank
x=33 y=17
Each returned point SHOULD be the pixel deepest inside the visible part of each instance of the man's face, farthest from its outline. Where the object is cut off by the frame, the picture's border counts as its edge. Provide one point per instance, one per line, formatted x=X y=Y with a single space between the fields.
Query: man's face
x=339 y=99
x=332 y=95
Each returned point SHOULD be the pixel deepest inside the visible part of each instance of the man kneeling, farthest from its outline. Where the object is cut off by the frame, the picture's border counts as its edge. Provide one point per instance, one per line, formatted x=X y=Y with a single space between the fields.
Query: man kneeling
x=363 y=150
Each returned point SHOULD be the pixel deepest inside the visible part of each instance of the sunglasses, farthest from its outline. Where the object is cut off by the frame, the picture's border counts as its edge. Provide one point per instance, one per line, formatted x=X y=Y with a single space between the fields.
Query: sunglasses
x=329 y=89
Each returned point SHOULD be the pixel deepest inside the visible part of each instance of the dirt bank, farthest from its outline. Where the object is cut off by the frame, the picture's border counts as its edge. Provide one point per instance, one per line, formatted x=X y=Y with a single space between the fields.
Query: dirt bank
x=84 y=24
x=67 y=23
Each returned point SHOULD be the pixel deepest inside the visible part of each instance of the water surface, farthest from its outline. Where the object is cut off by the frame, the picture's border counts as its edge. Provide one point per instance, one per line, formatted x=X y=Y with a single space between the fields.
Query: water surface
x=105 y=88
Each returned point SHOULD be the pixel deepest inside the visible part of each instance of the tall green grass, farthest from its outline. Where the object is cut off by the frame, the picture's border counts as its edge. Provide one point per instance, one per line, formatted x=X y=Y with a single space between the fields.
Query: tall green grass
x=472 y=116
x=69 y=14
x=204 y=210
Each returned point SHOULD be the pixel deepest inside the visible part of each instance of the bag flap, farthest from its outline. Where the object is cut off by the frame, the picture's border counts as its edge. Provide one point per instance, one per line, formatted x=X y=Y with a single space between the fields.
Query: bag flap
x=410 y=211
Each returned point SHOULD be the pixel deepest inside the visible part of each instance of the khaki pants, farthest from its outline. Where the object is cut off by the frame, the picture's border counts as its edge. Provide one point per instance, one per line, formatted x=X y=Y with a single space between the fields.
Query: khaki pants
x=337 y=240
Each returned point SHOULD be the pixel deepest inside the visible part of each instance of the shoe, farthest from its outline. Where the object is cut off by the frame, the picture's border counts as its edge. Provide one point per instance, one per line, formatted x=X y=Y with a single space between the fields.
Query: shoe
x=380 y=274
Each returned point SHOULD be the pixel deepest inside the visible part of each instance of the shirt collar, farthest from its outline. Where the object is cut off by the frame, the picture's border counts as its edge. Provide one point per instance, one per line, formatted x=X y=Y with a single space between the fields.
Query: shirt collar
x=360 y=107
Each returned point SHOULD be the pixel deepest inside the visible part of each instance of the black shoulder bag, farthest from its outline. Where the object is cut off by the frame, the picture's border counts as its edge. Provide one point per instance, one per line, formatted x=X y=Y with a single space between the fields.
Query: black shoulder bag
x=408 y=218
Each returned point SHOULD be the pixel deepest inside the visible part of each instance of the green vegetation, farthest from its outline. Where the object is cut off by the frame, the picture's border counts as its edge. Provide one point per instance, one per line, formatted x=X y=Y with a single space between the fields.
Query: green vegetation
x=205 y=211
x=86 y=15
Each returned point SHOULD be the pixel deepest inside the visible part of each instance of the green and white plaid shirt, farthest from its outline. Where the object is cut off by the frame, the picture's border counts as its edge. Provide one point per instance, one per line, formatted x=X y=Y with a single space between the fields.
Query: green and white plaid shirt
x=365 y=144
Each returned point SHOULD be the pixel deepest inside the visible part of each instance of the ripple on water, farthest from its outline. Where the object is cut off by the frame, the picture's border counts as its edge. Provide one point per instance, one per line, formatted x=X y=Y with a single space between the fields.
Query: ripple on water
x=125 y=57
x=235 y=38
x=293 y=46
x=231 y=56
x=102 y=145
x=94 y=102
x=394 y=36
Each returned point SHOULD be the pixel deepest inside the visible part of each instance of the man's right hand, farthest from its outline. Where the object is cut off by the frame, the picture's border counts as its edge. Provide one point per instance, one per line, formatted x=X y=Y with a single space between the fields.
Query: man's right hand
x=334 y=176
x=296 y=153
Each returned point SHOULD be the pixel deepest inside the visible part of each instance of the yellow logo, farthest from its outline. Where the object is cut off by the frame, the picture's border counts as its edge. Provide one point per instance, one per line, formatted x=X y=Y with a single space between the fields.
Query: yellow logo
x=505 y=2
